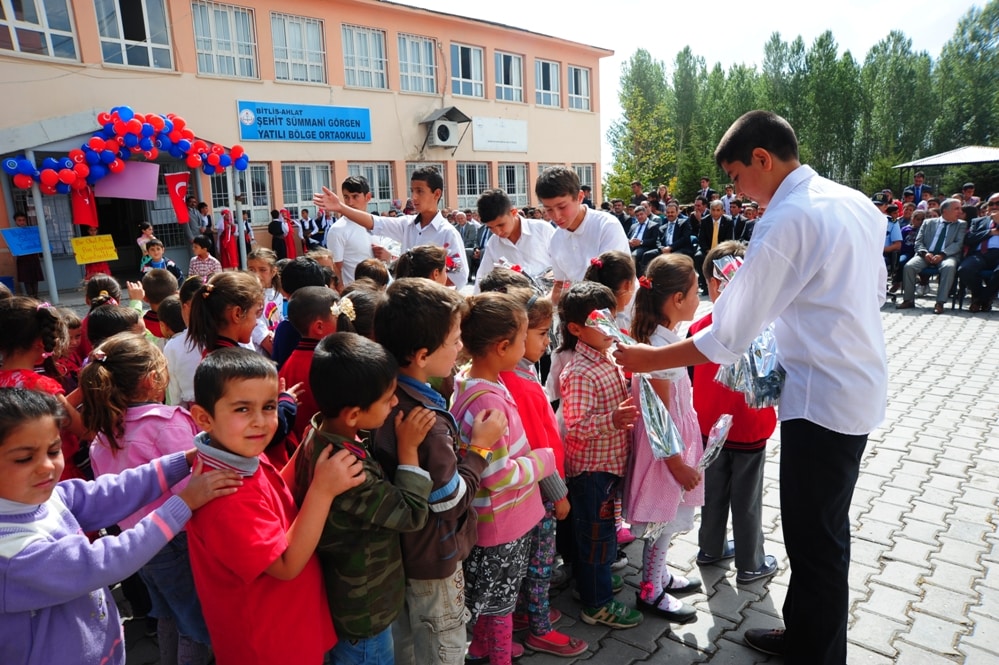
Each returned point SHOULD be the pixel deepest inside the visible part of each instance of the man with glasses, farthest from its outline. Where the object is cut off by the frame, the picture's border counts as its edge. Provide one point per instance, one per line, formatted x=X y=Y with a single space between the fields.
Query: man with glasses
x=982 y=242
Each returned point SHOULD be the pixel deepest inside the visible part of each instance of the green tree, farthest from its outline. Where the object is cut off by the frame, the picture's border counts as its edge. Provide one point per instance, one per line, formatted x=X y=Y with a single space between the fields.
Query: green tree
x=688 y=77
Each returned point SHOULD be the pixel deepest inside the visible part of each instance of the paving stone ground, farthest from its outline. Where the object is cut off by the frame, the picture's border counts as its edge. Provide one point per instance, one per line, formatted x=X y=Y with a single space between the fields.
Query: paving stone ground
x=924 y=584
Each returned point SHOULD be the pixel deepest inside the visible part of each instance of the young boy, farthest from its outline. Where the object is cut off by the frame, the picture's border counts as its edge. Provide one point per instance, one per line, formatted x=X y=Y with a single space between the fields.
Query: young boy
x=155 y=250
x=598 y=415
x=203 y=264
x=520 y=241
x=296 y=274
x=173 y=327
x=157 y=285
x=582 y=233
x=419 y=324
x=253 y=555
x=426 y=226
x=310 y=311
x=735 y=479
x=359 y=550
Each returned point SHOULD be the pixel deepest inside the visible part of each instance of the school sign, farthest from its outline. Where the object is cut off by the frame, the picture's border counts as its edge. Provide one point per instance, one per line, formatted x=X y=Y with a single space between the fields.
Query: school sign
x=273 y=121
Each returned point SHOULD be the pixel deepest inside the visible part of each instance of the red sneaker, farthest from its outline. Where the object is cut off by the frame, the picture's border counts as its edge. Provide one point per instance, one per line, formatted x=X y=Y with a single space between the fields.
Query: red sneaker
x=557 y=644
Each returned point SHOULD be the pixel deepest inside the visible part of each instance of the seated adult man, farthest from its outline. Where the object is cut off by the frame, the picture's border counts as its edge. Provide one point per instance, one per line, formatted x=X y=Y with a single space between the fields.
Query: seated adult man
x=982 y=242
x=642 y=236
x=714 y=228
x=675 y=236
x=938 y=245
x=743 y=225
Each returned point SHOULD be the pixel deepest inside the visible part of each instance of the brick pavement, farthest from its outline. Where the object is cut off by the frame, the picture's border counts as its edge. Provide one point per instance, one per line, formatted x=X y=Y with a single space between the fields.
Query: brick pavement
x=924 y=583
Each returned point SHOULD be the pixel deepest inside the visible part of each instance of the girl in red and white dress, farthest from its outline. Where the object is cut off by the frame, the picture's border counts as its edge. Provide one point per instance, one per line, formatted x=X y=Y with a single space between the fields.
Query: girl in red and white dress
x=228 y=242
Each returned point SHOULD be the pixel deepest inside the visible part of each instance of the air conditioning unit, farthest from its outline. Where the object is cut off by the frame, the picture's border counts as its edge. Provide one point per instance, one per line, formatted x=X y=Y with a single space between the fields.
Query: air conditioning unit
x=443 y=134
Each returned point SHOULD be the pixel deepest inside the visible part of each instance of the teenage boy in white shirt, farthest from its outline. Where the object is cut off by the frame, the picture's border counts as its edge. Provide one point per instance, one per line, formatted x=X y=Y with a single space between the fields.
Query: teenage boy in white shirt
x=519 y=240
x=350 y=243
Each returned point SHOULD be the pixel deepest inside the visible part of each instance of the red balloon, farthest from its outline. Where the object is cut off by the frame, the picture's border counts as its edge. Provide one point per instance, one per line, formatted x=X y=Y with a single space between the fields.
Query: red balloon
x=141 y=118
x=134 y=126
x=77 y=156
x=112 y=144
x=217 y=149
x=22 y=181
x=79 y=183
x=178 y=122
x=199 y=146
x=67 y=176
x=194 y=160
x=117 y=166
x=96 y=143
x=175 y=136
x=187 y=133
x=156 y=121
x=119 y=128
x=81 y=170
x=49 y=177
x=103 y=118
x=236 y=152
x=213 y=159
x=151 y=154
x=48 y=189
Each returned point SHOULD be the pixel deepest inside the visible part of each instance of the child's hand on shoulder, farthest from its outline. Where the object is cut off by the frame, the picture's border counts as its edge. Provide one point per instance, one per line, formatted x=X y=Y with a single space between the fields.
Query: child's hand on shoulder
x=625 y=415
x=335 y=473
x=488 y=427
x=411 y=430
x=207 y=485
x=687 y=476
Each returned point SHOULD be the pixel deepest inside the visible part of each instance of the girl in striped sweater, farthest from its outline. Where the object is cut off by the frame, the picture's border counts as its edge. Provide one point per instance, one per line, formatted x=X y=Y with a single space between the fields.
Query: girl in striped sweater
x=508 y=502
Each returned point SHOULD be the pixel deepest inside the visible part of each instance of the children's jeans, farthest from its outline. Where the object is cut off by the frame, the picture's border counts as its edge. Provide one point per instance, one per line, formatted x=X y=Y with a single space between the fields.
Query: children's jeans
x=592 y=497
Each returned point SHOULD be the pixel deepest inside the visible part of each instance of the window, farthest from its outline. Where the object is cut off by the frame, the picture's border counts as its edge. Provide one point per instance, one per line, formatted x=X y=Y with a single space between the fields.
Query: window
x=134 y=32
x=417 y=64
x=364 y=62
x=513 y=181
x=585 y=173
x=466 y=71
x=473 y=179
x=38 y=27
x=254 y=182
x=546 y=91
x=509 y=77
x=579 y=88
x=299 y=51
x=379 y=177
x=225 y=39
x=412 y=166
x=300 y=182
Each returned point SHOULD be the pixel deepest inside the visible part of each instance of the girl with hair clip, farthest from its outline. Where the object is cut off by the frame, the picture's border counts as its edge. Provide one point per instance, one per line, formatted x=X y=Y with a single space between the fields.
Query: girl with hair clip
x=100 y=290
x=57 y=607
x=428 y=261
x=616 y=271
x=661 y=496
x=508 y=501
x=31 y=334
x=262 y=262
x=123 y=388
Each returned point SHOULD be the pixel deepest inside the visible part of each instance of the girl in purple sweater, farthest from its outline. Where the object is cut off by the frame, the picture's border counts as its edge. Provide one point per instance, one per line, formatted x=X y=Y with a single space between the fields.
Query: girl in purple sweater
x=55 y=606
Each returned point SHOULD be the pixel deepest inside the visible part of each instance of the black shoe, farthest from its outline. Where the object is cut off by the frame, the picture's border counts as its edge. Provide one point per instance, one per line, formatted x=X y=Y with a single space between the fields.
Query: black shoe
x=766 y=640
x=685 y=614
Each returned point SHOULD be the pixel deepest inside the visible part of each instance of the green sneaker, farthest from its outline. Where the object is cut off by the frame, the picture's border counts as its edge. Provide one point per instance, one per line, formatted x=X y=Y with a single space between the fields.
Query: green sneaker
x=613 y=614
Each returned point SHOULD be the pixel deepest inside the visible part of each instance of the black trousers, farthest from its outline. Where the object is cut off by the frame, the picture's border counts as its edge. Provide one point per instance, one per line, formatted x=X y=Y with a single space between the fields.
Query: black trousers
x=818 y=471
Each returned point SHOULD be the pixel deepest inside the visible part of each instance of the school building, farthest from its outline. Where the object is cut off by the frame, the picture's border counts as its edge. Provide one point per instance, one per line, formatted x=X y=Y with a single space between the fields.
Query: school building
x=314 y=90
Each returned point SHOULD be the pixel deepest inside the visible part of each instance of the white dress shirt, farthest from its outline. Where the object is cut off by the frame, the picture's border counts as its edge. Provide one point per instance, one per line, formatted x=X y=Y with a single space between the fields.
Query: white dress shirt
x=815 y=268
x=409 y=233
x=571 y=251
x=530 y=251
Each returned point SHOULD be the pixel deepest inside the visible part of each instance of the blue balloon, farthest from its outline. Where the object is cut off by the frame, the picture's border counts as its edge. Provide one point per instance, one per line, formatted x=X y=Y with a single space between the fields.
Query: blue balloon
x=10 y=166
x=26 y=167
x=50 y=163
x=147 y=129
x=163 y=142
x=176 y=153
x=125 y=113
x=124 y=155
x=167 y=125
x=98 y=171
x=208 y=169
x=63 y=188
x=184 y=145
x=107 y=156
x=146 y=143
x=131 y=140
x=242 y=163
x=225 y=160
x=67 y=163
x=107 y=132
x=92 y=157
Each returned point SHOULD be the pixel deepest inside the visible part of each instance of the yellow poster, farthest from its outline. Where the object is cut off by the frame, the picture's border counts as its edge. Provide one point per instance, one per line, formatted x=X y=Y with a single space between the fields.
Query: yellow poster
x=94 y=249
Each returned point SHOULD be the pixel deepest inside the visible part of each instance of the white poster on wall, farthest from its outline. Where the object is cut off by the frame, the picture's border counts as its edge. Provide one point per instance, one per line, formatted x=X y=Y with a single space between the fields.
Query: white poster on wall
x=499 y=135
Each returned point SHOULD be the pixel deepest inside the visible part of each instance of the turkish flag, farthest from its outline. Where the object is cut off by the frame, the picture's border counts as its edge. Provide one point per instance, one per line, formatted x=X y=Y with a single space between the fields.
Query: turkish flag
x=177 y=186
x=84 y=206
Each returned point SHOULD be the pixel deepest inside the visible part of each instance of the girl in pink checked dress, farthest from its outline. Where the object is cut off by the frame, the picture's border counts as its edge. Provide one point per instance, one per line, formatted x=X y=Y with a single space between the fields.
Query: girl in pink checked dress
x=662 y=495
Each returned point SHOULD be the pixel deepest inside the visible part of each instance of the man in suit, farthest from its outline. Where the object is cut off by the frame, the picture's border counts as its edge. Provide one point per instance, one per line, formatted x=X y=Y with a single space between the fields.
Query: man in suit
x=469 y=232
x=642 y=236
x=706 y=190
x=982 y=242
x=743 y=225
x=918 y=186
x=938 y=245
x=700 y=212
x=714 y=228
x=674 y=235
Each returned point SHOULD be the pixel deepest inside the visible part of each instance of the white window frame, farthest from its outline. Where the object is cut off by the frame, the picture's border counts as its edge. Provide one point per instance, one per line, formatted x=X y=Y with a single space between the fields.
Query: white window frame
x=550 y=96
x=379 y=177
x=299 y=45
x=365 y=63
x=471 y=83
x=254 y=182
x=513 y=181
x=417 y=64
x=221 y=50
x=50 y=38
x=579 y=88
x=299 y=181
x=116 y=49
x=411 y=168
x=585 y=173
x=509 y=67
x=469 y=189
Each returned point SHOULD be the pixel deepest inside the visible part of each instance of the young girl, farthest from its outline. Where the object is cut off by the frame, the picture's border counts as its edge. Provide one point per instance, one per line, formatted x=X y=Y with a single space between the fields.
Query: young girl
x=68 y=367
x=541 y=428
x=224 y=311
x=616 y=271
x=655 y=502
x=32 y=333
x=145 y=235
x=100 y=289
x=56 y=602
x=429 y=261
x=99 y=268
x=228 y=241
x=508 y=502
x=262 y=262
x=123 y=389
x=182 y=354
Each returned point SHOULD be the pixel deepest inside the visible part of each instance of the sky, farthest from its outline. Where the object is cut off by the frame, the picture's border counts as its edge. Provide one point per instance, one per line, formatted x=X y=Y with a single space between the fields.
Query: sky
x=725 y=31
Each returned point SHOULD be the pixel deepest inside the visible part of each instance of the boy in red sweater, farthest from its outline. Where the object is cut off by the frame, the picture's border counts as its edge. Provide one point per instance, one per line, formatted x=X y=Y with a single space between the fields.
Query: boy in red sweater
x=735 y=479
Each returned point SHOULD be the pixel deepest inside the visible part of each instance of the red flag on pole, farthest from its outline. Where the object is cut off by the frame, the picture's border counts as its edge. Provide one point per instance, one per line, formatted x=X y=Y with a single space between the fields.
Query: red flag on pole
x=84 y=206
x=177 y=186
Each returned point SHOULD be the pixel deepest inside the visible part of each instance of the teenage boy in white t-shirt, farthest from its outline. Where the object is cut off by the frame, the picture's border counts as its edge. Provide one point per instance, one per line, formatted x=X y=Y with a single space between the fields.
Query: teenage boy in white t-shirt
x=349 y=243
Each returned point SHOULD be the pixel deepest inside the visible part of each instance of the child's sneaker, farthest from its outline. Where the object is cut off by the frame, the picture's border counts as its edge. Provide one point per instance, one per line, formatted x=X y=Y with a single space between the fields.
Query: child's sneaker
x=768 y=568
x=620 y=562
x=728 y=552
x=613 y=615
